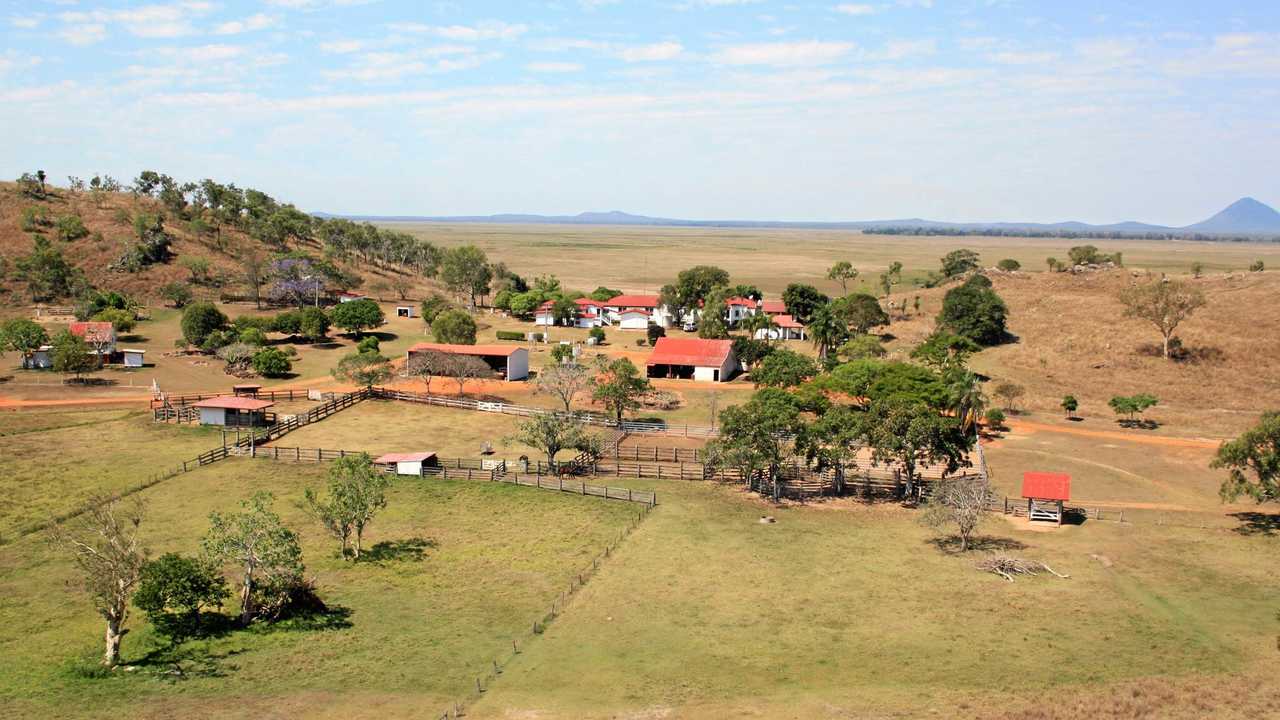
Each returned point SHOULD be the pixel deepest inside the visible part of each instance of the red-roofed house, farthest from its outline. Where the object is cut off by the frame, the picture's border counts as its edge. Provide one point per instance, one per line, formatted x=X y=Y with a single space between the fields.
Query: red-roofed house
x=739 y=308
x=407 y=463
x=784 y=327
x=711 y=360
x=1045 y=493
x=590 y=313
x=773 y=307
x=637 y=312
x=100 y=336
x=233 y=411
x=511 y=361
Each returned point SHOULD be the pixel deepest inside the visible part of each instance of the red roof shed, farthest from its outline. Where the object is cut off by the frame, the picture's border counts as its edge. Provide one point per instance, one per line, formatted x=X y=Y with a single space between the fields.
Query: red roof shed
x=690 y=351
x=1046 y=485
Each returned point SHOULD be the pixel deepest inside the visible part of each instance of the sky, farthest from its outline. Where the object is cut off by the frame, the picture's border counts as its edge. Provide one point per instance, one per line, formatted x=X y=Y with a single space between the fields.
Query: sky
x=960 y=110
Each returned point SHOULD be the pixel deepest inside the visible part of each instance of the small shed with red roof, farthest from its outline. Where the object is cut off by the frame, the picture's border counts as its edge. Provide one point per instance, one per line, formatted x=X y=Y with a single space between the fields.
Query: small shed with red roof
x=1046 y=493
x=234 y=411
x=510 y=361
x=407 y=463
x=695 y=358
x=100 y=336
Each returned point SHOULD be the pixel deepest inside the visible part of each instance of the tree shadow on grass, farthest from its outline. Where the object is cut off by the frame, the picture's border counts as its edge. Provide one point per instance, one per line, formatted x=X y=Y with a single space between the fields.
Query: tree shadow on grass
x=1257 y=523
x=950 y=544
x=411 y=550
x=1138 y=424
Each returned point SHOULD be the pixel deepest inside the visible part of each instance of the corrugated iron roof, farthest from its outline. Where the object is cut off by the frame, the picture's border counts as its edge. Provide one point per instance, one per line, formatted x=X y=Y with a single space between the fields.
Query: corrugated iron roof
x=482 y=350
x=1046 y=485
x=640 y=301
x=235 y=402
x=404 y=457
x=690 y=351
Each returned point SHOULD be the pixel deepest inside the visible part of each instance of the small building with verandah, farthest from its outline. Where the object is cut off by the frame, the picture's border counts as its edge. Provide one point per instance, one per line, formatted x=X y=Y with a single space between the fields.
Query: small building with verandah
x=696 y=358
x=407 y=463
x=245 y=389
x=1045 y=493
x=234 y=411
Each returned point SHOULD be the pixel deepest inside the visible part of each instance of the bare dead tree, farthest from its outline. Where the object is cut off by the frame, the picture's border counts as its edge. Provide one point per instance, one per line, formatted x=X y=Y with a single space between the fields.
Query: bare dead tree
x=564 y=382
x=103 y=541
x=960 y=502
x=466 y=367
x=1007 y=566
x=426 y=366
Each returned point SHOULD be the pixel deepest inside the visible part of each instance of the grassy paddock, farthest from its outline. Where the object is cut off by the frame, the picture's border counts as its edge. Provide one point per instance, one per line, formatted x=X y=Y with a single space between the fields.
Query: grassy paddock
x=845 y=610
x=421 y=627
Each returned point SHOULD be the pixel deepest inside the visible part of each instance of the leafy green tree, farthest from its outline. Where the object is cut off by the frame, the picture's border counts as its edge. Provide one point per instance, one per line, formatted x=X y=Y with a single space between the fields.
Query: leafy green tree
x=843 y=272
x=433 y=305
x=832 y=440
x=827 y=330
x=370 y=344
x=653 y=332
x=175 y=590
x=71 y=355
x=783 y=368
x=122 y=320
x=750 y=351
x=618 y=385
x=523 y=305
x=965 y=398
x=364 y=369
x=1070 y=405
x=943 y=350
x=1197 y=269
x=24 y=337
x=70 y=228
x=712 y=323
x=860 y=312
x=1164 y=303
x=466 y=272
x=267 y=553
x=975 y=312
x=869 y=380
x=597 y=334
x=859 y=347
x=995 y=418
x=1085 y=255
x=564 y=311
x=1132 y=406
x=1009 y=265
x=693 y=286
x=176 y=293
x=551 y=434
x=604 y=294
x=802 y=301
x=199 y=320
x=357 y=492
x=47 y=273
x=910 y=433
x=271 y=362
x=455 y=327
x=358 y=315
x=1252 y=462
x=313 y=323
x=562 y=353
x=754 y=438
x=959 y=262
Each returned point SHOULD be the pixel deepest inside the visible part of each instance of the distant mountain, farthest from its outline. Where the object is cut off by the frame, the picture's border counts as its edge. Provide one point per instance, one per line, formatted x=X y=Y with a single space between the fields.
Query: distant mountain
x=1243 y=217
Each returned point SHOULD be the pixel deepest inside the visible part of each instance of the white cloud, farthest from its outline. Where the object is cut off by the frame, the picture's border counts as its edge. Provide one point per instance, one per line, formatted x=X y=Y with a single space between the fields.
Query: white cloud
x=783 y=54
x=27 y=22
x=650 y=53
x=149 y=21
x=855 y=9
x=1241 y=54
x=341 y=47
x=900 y=49
x=259 y=21
x=488 y=30
x=1014 y=57
x=83 y=33
x=389 y=66
x=553 y=67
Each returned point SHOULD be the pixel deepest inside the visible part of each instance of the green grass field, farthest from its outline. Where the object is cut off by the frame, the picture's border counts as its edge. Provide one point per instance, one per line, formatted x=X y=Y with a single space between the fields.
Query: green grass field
x=420 y=628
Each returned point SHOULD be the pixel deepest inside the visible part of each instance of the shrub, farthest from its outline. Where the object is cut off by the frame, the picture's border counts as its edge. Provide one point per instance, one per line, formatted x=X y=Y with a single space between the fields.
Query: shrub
x=270 y=362
x=995 y=418
x=369 y=344
x=562 y=353
x=597 y=333
x=177 y=293
x=70 y=228
x=1257 y=266
x=454 y=327
x=174 y=590
x=654 y=332
x=122 y=320
x=200 y=319
x=252 y=336
x=510 y=335
x=1009 y=265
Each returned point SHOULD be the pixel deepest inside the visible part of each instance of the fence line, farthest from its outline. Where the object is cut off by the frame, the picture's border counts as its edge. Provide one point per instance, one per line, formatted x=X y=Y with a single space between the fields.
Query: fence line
x=272 y=395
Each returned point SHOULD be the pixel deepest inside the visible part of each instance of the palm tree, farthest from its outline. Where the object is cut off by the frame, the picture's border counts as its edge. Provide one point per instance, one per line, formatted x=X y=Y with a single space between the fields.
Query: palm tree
x=826 y=330
x=757 y=322
x=964 y=393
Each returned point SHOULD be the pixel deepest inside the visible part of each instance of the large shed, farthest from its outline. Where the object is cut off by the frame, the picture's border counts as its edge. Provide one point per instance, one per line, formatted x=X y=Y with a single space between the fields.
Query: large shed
x=1045 y=493
x=711 y=360
x=407 y=463
x=511 y=361
x=233 y=411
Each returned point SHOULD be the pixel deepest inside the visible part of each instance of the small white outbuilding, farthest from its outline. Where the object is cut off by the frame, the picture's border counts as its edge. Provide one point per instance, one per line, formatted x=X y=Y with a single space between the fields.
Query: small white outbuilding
x=407 y=463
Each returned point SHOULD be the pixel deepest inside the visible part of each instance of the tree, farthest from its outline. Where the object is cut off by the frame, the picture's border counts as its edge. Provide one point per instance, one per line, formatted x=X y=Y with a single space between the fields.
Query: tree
x=426 y=365
x=604 y=294
x=1055 y=265
x=995 y=418
x=618 y=385
x=103 y=541
x=465 y=271
x=1086 y=255
x=199 y=320
x=1257 y=266
x=466 y=367
x=943 y=350
x=454 y=327
x=174 y=590
x=271 y=362
x=71 y=355
x=861 y=347
x=712 y=323
x=70 y=228
x=750 y=351
x=267 y=553
x=552 y=433
x=370 y=344
x=358 y=315
x=833 y=440
x=1164 y=303
x=313 y=323
x=1070 y=405
x=253 y=270
x=176 y=293
x=974 y=312
x=961 y=502
x=357 y=491
x=597 y=334
x=1132 y=406
x=909 y=432
x=1197 y=269
x=564 y=382
x=1010 y=393
x=432 y=306
x=802 y=301
x=198 y=267
x=784 y=369
x=860 y=312
x=24 y=337
x=964 y=395
x=959 y=262
x=1252 y=462
x=47 y=273
x=843 y=272
x=365 y=369
x=827 y=330
x=692 y=288
x=754 y=438
x=122 y=320
x=1009 y=265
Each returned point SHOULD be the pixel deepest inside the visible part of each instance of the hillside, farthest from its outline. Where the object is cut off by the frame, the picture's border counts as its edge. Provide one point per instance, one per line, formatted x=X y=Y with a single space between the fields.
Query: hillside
x=1245 y=215
x=108 y=221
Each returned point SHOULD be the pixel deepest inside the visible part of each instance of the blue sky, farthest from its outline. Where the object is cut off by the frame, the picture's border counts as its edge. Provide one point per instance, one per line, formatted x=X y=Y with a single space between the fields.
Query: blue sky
x=949 y=109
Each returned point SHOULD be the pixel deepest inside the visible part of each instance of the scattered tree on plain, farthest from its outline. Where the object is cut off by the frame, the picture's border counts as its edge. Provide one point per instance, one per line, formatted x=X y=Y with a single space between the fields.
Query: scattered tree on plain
x=959 y=502
x=959 y=262
x=357 y=316
x=174 y=591
x=454 y=327
x=364 y=369
x=974 y=311
x=1164 y=303
x=860 y=312
x=1010 y=393
x=551 y=433
x=565 y=382
x=843 y=272
x=357 y=492
x=103 y=542
x=1252 y=462
x=1009 y=265
x=618 y=385
x=267 y=553
x=1070 y=405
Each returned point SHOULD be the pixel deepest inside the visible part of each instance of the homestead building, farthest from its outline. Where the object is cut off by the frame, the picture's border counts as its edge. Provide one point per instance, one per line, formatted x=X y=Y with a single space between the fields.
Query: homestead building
x=511 y=362
x=692 y=358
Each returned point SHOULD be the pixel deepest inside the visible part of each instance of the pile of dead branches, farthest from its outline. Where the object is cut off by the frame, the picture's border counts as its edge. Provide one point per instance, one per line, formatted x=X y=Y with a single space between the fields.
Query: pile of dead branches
x=1006 y=566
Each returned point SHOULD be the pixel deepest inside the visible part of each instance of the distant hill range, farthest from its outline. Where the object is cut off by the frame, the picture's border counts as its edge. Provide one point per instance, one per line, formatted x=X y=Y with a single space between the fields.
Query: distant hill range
x=1243 y=217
